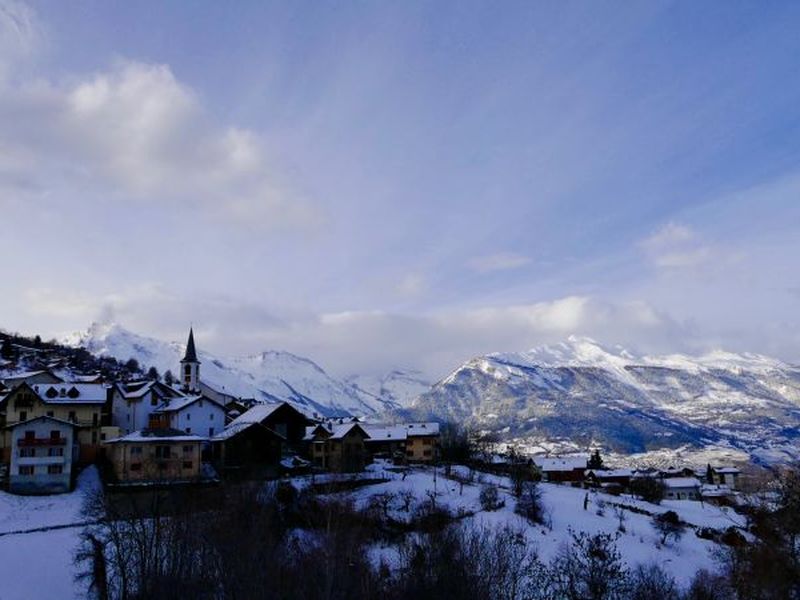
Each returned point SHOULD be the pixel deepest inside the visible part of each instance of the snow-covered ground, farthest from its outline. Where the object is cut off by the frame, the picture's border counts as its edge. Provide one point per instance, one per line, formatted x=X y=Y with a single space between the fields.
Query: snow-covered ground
x=564 y=504
x=40 y=564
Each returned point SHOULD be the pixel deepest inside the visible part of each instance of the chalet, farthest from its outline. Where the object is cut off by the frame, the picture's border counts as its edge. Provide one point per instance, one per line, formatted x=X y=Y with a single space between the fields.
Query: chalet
x=682 y=488
x=190 y=414
x=86 y=405
x=43 y=450
x=134 y=402
x=247 y=450
x=282 y=418
x=728 y=476
x=671 y=472
x=609 y=478
x=386 y=441
x=561 y=469
x=43 y=376
x=339 y=447
x=156 y=455
x=422 y=442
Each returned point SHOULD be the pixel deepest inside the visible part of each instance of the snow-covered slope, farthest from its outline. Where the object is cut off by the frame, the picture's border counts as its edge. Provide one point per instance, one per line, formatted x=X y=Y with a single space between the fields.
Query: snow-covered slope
x=399 y=387
x=581 y=391
x=267 y=376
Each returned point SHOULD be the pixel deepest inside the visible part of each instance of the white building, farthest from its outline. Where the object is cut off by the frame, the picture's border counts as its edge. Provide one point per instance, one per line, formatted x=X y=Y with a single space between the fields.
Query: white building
x=43 y=451
x=193 y=414
x=682 y=488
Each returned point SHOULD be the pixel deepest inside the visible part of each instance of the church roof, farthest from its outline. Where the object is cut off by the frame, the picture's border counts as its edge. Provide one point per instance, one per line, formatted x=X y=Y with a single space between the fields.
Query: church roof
x=191 y=353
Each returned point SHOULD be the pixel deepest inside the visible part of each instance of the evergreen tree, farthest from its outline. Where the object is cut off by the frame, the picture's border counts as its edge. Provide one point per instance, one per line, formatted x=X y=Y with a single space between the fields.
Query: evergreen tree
x=152 y=374
x=595 y=461
x=169 y=378
x=709 y=474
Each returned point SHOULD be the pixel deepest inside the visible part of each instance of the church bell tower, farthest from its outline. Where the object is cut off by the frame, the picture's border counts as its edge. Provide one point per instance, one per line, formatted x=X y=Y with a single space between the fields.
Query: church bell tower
x=190 y=367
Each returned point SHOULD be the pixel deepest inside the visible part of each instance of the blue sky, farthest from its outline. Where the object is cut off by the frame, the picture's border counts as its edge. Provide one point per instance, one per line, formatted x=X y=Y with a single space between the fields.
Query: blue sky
x=404 y=184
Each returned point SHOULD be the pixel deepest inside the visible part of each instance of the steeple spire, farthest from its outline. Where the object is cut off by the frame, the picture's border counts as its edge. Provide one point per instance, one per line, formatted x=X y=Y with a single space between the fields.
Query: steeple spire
x=190 y=367
x=191 y=353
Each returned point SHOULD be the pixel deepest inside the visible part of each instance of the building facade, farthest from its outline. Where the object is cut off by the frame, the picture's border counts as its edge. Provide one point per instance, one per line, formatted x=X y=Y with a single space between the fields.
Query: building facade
x=156 y=455
x=43 y=450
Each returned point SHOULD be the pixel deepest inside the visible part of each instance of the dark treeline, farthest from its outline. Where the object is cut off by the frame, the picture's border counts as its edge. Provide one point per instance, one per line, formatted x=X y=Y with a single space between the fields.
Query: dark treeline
x=278 y=543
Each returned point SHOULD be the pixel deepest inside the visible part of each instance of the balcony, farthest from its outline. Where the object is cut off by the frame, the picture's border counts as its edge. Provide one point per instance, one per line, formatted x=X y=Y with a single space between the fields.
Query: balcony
x=33 y=442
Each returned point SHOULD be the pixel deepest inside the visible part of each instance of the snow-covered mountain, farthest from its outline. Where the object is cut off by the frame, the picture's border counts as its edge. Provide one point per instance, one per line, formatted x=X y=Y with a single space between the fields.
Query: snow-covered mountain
x=268 y=376
x=398 y=387
x=588 y=394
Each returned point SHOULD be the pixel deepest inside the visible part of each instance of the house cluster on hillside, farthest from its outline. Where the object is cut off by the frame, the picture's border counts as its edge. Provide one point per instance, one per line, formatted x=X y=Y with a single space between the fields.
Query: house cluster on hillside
x=149 y=431
x=714 y=484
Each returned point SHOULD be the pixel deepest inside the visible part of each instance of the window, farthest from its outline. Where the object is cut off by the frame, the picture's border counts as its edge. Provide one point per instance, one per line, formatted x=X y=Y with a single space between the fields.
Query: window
x=201 y=403
x=55 y=451
x=102 y=437
x=23 y=415
x=211 y=416
x=72 y=416
x=94 y=419
x=136 y=466
x=153 y=400
x=188 y=430
x=210 y=431
x=426 y=441
x=49 y=413
x=27 y=452
x=55 y=469
x=162 y=451
x=136 y=450
x=30 y=435
x=162 y=466
x=128 y=417
x=26 y=470
x=187 y=449
x=188 y=416
x=187 y=464
x=426 y=453
x=55 y=434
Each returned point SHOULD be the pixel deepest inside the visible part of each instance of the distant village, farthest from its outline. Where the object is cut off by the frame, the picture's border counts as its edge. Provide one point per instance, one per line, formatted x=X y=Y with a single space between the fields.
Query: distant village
x=150 y=432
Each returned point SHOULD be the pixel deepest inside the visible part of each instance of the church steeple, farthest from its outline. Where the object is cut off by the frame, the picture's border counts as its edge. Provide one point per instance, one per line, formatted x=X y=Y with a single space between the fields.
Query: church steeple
x=190 y=367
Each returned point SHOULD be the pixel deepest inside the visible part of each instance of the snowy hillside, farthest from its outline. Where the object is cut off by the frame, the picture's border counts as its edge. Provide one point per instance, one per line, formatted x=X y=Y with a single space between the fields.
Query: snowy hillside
x=270 y=375
x=583 y=392
x=398 y=387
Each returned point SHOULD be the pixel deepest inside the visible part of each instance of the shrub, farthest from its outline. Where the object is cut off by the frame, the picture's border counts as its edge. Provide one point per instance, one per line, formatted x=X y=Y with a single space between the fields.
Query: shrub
x=648 y=489
x=668 y=525
x=489 y=497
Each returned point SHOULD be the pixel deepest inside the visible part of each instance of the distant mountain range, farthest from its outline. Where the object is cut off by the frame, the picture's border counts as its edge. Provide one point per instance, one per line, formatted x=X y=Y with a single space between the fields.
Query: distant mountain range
x=268 y=376
x=587 y=394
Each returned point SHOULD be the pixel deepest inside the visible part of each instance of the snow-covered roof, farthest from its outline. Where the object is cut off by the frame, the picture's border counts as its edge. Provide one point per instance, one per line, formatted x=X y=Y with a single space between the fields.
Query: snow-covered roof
x=602 y=473
x=682 y=482
x=181 y=402
x=157 y=435
x=726 y=470
x=72 y=393
x=561 y=463
x=383 y=433
x=340 y=431
x=716 y=491
x=236 y=428
x=418 y=429
x=256 y=414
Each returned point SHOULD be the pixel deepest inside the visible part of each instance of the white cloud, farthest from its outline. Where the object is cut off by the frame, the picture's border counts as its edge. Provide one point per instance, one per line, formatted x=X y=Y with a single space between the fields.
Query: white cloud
x=676 y=246
x=501 y=261
x=20 y=34
x=135 y=133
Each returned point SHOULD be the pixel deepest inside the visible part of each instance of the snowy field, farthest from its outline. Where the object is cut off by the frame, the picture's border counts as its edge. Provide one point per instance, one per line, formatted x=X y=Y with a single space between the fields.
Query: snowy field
x=39 y=564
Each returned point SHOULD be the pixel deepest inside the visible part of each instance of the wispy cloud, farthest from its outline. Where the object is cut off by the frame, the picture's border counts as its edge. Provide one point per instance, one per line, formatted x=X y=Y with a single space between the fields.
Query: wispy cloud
x=676 y=246
x=500 y=261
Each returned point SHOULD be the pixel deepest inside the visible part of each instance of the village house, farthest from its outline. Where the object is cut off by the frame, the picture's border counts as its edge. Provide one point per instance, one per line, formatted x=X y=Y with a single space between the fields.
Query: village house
x=282 y=418
x=156 y=455
x=43 y=450
x=562 y=469
x=42 y=376
x=613 y=480
x=247 y=450
x=86 y=405
x=728 y=476
x=133 y=403
x=190 y=414
x=386 y=441
x=682 y=488
x=422 y=442
x=338 y=448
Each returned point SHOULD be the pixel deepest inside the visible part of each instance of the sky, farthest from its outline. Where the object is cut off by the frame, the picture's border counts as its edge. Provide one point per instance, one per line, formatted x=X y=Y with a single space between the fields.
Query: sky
x=381 y=185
